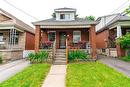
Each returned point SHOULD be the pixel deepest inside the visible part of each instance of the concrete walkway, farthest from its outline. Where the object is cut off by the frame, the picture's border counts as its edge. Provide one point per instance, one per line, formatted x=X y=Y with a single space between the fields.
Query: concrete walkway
x=56 y=76
x=119 y=65
x=10 y=69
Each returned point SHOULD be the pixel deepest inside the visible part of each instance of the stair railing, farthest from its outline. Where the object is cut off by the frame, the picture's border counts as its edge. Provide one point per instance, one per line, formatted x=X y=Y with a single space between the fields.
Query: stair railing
x=53 y=51
x=67 y=51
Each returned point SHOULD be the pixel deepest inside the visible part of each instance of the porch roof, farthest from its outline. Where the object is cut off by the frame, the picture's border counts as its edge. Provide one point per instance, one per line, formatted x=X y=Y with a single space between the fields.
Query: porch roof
x=118 y=18
x=78 y=22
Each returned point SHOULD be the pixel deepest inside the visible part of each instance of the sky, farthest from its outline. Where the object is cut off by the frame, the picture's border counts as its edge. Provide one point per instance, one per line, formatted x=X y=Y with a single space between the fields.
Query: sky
x=43 y=9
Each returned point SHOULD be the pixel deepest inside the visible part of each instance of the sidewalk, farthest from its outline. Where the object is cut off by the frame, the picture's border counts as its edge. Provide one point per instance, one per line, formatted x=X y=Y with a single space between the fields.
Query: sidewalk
x=119 y=65
x=10 y=69
x=56 y=76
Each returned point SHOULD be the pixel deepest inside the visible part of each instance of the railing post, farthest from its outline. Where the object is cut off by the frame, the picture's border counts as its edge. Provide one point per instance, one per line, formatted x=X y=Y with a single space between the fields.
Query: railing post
x=67 y=51
x=54 y=49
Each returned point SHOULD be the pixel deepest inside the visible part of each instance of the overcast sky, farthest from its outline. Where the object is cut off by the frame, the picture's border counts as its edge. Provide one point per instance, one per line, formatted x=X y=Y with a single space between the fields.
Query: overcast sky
x=42 y=9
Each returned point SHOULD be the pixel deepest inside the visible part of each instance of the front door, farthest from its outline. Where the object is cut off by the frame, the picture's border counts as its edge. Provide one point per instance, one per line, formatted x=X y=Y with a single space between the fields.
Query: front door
x=62 y=40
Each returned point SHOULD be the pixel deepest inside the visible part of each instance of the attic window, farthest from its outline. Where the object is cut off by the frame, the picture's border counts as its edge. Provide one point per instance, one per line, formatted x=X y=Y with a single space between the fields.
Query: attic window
x=62 y=16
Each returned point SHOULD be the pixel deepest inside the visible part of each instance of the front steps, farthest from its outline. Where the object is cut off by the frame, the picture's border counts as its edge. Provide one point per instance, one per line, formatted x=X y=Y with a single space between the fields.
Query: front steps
x=60 y=58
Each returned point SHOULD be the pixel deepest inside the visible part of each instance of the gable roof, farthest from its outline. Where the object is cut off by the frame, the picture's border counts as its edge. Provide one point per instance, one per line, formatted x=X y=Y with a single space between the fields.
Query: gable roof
x=98 y=19
x=65 y=9
x=18 y=22
x=119 y=17
x=53 y=21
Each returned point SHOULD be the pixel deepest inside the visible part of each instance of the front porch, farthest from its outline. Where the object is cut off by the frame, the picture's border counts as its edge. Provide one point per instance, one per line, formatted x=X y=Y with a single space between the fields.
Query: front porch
x=78 y=38
x=115 y=33
x=11 y=44
x=66 y=38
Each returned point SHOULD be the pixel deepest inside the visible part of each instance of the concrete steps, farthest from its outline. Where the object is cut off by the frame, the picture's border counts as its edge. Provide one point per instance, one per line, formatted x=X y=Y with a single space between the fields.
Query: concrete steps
x=60 y=57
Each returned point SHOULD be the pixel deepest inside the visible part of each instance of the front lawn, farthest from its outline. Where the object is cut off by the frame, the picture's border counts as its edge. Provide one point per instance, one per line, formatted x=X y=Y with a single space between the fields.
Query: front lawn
x=94 y=74
x=125 y=58
x=32 y=76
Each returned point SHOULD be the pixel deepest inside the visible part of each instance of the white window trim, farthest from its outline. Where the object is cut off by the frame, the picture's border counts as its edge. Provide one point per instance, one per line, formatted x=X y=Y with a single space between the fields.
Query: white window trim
x=73 y=35
x=48 y=34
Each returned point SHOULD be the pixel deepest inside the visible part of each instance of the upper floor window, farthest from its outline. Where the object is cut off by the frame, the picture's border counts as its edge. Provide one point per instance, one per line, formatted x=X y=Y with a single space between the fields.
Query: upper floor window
x=62 y=16
x=67 y=16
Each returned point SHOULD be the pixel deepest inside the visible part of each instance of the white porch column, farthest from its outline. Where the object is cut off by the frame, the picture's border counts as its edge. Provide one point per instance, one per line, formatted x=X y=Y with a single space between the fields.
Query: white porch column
x=119 y=31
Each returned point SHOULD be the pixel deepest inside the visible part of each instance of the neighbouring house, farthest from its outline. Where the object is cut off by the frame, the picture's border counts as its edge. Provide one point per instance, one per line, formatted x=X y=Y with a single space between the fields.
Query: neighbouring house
x=16 y=37
x=110 y=28
x=67 y=30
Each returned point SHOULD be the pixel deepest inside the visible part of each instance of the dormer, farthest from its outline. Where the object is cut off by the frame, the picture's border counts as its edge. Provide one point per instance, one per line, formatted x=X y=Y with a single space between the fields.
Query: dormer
x=65 y=14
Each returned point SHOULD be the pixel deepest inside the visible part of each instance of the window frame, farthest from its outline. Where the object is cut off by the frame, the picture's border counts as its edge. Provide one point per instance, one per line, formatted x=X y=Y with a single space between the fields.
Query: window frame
x=74 y=36
x=62 y=15
x=48 y=35
x=2 y=39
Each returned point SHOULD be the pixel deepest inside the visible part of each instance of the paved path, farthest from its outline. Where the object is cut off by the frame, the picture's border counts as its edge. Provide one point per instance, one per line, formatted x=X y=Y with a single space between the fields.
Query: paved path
x=117 y=64
x=10 y=69
x=56 y=76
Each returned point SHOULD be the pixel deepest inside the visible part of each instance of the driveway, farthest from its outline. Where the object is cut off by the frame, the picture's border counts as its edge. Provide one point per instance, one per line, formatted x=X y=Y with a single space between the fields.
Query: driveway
x=119 y=65
x=10 y=69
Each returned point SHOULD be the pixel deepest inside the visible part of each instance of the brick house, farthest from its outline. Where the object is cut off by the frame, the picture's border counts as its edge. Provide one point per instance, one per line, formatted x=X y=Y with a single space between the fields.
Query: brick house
x=66 y=26
x=110 y=28
x=16 y=37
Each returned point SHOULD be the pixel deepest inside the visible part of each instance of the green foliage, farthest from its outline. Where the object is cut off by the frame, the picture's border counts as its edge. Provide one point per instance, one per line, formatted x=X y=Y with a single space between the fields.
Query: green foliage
x=90 y=18
x=78 y=54
x=127 y=11
x=1 y=59
x=126 y=58
x=32 y=76
x=54 y=15
x=124 y=41
x=76 y=16
x=38 y=57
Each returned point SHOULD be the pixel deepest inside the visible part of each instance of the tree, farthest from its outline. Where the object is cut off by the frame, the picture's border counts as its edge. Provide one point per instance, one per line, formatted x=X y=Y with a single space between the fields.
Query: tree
x=124 y=41
x=90 y=18
x=53 y=15
x=127 y=11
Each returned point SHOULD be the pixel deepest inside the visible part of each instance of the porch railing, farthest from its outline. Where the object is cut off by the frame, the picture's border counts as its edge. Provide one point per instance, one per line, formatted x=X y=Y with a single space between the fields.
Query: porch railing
x=67 y=51
x=54 y=50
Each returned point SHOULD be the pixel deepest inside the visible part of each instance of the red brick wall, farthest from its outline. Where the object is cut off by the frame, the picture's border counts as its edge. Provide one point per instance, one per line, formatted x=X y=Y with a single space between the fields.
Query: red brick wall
x=101 y=39
x=30 y=38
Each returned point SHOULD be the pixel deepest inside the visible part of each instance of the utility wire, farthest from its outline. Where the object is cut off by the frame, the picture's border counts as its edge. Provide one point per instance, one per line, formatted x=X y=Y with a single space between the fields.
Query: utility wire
x=120 y=7
x=20 y=10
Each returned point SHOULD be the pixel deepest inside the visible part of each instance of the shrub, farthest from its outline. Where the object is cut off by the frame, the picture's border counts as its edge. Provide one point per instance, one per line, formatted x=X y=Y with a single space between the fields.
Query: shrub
x=126 y=58
x=78 y=54
x=124 y=41
x=38 y=57
x=1 y=59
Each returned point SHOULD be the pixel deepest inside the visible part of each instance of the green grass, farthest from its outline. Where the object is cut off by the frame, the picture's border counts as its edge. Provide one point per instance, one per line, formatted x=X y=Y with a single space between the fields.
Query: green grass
x=126 y=58
x=94 y=74
x=32 y=76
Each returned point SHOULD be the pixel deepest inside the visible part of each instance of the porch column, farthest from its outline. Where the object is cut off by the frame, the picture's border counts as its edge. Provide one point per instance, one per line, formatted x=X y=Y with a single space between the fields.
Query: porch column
x=92 y=39
x=12 y=35
x=119 y=31
x=120 y=51
x=37 y=37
